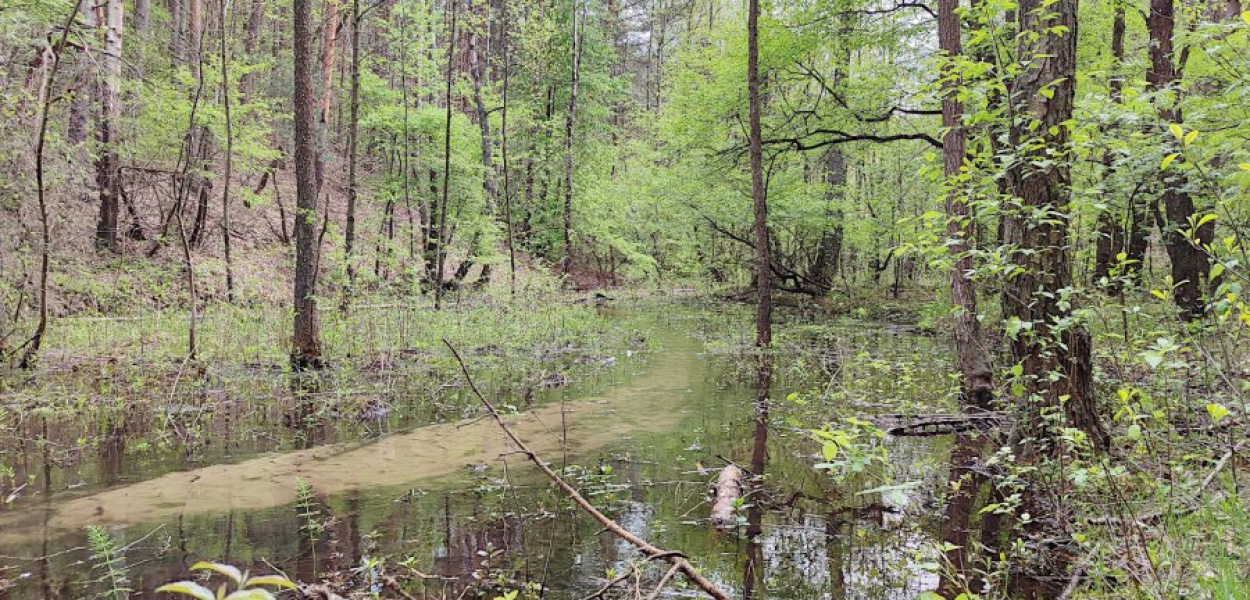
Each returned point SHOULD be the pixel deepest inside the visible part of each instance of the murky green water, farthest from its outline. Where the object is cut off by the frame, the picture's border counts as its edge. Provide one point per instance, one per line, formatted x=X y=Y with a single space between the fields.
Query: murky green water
x=648 y=433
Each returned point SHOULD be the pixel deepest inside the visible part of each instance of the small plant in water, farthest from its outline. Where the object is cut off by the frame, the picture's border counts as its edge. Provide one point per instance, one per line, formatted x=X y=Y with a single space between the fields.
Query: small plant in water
x=306 y=504
x=246 y=588
x=107 y=557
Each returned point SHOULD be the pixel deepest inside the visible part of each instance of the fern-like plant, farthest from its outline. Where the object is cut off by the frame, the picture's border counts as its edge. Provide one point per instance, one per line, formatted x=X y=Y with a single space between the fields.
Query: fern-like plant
x=246 y=587
x=107 y=557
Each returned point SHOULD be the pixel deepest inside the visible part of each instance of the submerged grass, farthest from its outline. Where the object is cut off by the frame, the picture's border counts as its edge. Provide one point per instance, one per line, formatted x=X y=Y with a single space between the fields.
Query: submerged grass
x=369 y=329
x=114 y=398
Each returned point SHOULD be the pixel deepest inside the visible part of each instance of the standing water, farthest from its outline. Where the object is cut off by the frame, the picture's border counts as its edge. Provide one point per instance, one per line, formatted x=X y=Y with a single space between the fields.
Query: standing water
x=448 y=498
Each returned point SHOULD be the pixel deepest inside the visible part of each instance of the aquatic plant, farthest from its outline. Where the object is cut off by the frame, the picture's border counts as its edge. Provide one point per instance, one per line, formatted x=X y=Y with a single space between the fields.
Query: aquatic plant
x=246 y=587
x=108 y=557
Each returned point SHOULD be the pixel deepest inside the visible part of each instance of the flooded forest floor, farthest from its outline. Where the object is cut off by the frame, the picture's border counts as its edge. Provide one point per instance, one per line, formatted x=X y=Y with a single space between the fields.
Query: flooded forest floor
x=122 y=465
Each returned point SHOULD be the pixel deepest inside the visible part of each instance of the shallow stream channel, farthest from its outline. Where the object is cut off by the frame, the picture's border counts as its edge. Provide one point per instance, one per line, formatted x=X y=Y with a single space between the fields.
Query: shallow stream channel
x=349 y=479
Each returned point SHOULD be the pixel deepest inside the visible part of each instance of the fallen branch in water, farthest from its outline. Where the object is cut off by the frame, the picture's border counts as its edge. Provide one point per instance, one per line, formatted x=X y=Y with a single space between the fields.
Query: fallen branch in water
x=609 y=585
x=676 y=559
x=940 y=424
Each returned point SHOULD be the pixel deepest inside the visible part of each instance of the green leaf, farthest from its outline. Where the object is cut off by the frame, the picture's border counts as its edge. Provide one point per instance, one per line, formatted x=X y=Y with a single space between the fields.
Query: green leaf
x=1217 y=412
x=232 y=572
x=274 y=580
x=1134 y=432
x=189 y=588
x=1176 y=130
x=1190 y=137
x=989 y=508
x=251 y=594
x=1167 y=160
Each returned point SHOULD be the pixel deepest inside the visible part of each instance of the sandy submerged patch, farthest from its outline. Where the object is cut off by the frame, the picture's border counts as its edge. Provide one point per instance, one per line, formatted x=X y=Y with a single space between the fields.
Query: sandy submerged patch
x=652 y=402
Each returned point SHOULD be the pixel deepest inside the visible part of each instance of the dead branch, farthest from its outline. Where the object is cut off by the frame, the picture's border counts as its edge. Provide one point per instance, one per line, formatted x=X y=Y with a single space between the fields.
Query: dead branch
x=663 y=583
x=609 y=585
x=676 y=559
x=938 y=424
x=728 y=492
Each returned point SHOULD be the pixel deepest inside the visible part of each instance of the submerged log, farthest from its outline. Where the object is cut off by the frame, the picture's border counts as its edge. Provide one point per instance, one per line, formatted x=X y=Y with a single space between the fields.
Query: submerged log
x=939 y=424
x=728 y=492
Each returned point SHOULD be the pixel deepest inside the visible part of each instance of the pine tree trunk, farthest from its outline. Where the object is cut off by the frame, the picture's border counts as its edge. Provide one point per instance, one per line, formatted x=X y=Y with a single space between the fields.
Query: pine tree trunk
x=1053 y=349
x=353 y=129
x=973 y=355
x=306 y=352
x=329 y=42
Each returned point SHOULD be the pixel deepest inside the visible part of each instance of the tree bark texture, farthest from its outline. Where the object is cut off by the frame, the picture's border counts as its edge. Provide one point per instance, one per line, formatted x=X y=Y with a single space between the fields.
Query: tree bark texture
x=306 y=352
x=763 y=260
x=972 y=352
x=1190 y=264
x=108 y=165
x=1051 y=346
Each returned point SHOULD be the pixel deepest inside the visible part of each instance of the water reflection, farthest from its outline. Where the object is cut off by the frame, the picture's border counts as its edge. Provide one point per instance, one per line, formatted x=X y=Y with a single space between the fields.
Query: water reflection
x=759 y=462
x=423 y=494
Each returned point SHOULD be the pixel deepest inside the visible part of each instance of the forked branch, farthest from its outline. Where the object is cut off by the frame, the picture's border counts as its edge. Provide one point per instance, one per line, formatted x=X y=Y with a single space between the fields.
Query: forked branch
x=676 y=559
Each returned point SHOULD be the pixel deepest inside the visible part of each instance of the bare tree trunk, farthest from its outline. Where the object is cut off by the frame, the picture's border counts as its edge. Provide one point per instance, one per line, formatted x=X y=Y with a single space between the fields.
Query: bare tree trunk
x=329 y=42
x=191 y=293
x=567 y=261
x=353 y=128
x=200 y=140
x=1190 y=264
x=503 y=133
x=178 y=38
x=255 y=22
x=1110 y=242
x=406 y=170
x=442 y=216
x=825 y=266
x=477 y=70
x=976 y=379
x=35 y=342
x=225 y=183
x=143 y=17
x=306 y=352
x=108 y=166
x=763 y=260
x=1055 y=352
x=86 y=87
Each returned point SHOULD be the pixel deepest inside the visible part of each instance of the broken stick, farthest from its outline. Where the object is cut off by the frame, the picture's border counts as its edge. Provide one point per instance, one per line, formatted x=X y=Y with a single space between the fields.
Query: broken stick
x=676 y=559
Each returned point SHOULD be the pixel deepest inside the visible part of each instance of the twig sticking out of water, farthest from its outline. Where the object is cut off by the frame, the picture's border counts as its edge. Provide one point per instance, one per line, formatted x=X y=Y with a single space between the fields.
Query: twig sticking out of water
x=677 y=559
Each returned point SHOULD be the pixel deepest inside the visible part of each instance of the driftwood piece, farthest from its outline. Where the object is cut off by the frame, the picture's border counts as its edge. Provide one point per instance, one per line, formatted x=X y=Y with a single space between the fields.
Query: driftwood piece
x=677 y=559
x=728 y=492
x=939 y=424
